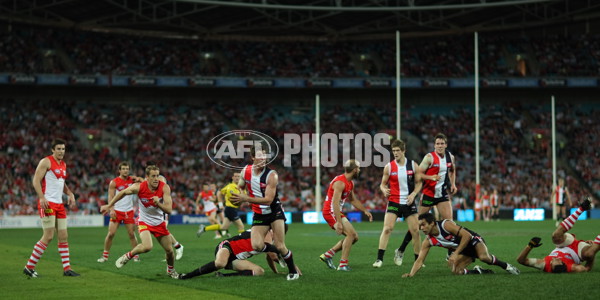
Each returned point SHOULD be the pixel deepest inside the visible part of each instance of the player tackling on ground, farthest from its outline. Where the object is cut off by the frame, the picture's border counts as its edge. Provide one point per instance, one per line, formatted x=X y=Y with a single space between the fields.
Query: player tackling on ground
x=569 y=253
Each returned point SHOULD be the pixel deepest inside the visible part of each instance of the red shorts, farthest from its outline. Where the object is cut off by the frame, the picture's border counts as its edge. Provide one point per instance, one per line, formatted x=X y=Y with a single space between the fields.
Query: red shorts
x=126 y=217
x=330 y=218
x=157 y=231
x=53 y=209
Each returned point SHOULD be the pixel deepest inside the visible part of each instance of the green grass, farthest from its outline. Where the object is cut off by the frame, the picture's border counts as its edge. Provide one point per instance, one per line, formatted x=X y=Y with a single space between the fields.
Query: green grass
x=147 y=279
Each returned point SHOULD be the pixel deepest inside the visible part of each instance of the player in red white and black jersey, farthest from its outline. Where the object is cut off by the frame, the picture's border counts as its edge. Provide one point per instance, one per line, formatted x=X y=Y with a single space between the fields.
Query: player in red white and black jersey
x=49 y=184
x=439 y=167
x=154 y=200
x=562 y=198
x=232 y=254
x=569 y=253
x=341 y=189
x=260 y=183
x=122 y=212
x=467 y=246
x=401 y=184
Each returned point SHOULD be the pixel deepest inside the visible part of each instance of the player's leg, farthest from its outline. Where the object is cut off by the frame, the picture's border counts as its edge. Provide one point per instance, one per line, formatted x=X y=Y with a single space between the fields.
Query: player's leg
x=176 y=246
x=388 y=226
x=558 y=236
x=278 y=227
x=413 y=227
x=49 y=228
x=221 y=258
x=112 y=229
x=349 y=240
x=166 y=242
x=240 y=226
x=257 y=236
x=445 y=210
x=484 y=255
x=245 y=268
x=63 y=243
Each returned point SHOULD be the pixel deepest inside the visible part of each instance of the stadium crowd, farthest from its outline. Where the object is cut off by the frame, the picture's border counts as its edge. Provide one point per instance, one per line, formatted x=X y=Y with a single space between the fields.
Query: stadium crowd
x=37 y=50
x=99 y=136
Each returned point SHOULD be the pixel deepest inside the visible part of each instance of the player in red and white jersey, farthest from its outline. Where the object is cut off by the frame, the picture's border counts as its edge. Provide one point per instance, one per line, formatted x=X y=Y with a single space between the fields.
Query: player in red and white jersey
x=485 y=201
x=569 y=254
x=233 y=254
x=260 y=183
x=122 y=212
x=154 y=200
x=559 y=195
x=49 y=184
x=340 y=190
x=467 y=246
x=208 y=199
x=401 y=184
x=495 y=202
x=439 y=168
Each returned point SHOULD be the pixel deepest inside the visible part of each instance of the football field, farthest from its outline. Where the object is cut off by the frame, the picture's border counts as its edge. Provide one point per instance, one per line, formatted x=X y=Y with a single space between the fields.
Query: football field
x=147 y=279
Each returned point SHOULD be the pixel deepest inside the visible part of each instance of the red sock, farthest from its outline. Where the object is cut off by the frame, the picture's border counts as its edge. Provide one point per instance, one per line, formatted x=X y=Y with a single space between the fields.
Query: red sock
x=36 y=255
x=330 y=253
x=63 y=249
x=343 y=262
x=105 y=254
x=597 y=240
x=568 y=223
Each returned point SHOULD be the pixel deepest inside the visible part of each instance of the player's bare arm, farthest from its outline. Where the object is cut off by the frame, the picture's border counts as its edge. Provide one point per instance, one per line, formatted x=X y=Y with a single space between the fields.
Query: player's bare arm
x=465 y=237
x=270 y=192
x=425 y=164
x=167 y=204
x=112 y=190
x=338 y=188
x=531 y=262
x=40 y=172
x=420 y=260
x=133 y=189
x=418 y=185
x=356 y=203
x=384 y=181
x=70 y=195
x=453 y=188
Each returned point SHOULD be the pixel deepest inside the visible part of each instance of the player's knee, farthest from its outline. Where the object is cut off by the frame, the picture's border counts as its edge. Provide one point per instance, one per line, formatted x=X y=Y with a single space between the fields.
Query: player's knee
x=354 y=237
x=220 y=264
x=110 y=235
x=387 y=230
x=258 y=247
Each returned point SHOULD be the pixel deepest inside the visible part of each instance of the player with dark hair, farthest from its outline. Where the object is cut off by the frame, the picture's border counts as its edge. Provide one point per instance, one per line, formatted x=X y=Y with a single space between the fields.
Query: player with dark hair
x=466 y=245
x=341 y=189
x=441 y=166
x=122 y=212
x=49 y=185
x=401 y=184
x=154 y=197
x=260 y=183
x=569 y=253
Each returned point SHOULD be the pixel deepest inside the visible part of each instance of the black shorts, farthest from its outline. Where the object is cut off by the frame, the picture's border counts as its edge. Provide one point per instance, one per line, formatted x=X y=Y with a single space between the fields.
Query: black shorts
x=470 y=250
x=400 y=210
x=430 y=201
x=231 y=213
x=225 y=244
x=266 y=220
x=560 y=204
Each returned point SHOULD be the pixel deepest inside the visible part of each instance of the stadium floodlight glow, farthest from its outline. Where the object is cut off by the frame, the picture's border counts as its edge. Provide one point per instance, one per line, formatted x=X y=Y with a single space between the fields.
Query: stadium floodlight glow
x=408 y=7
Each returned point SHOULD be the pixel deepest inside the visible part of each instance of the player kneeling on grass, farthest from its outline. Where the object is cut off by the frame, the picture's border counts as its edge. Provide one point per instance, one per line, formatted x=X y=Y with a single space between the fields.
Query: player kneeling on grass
x=232 y=254
x=466 y=245
x=568 y=253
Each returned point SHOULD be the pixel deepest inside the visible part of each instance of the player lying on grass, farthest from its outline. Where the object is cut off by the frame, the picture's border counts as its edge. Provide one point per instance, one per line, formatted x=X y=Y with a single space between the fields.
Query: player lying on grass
x=569 y=253
x=466 y=245
x=232 y=254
